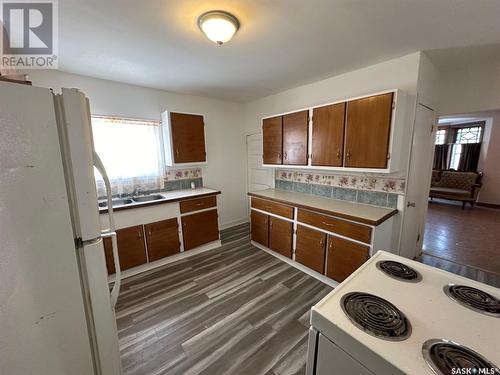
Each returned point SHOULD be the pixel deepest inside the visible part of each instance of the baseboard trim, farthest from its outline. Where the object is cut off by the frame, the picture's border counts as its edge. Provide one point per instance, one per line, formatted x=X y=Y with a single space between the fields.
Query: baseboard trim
x=299 y=266
x=489 y=205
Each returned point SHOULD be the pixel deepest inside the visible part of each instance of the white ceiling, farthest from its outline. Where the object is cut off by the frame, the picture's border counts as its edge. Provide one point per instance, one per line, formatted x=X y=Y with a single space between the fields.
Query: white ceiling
x=281 y=43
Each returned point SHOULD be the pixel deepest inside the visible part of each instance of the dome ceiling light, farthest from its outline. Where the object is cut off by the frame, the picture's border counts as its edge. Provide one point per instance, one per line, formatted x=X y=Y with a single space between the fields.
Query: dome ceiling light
x=218 y=26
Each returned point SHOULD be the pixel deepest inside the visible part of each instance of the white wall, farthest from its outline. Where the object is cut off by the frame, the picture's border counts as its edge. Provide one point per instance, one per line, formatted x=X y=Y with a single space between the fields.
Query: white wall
x=225 y=142
x=490 y=192
x=471 y=89
x=429 y=83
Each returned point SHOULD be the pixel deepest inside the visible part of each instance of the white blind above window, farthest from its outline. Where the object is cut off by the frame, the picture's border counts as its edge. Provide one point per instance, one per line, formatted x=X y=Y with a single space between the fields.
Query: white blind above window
x=130 y=149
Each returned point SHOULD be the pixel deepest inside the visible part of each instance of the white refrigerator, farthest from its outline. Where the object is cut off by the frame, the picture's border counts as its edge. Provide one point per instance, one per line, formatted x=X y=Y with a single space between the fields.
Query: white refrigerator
x=56 y=307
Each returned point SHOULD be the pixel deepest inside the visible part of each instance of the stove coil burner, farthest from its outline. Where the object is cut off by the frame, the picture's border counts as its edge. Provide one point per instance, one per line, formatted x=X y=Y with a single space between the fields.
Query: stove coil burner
x=447 y=357
x=473 y=299
x=376 y=316
x=399 y=271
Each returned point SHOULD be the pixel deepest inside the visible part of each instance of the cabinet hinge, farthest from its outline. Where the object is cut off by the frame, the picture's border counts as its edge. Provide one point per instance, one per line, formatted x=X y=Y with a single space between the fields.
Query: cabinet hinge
x=388 y=155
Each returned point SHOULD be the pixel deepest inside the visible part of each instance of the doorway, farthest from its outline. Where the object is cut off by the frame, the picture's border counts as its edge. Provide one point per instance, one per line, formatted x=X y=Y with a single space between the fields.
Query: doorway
x=463 y=209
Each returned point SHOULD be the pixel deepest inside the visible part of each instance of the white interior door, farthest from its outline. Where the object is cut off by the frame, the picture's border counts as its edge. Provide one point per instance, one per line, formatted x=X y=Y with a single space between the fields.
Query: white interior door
x=418 y=183
x=258 y=177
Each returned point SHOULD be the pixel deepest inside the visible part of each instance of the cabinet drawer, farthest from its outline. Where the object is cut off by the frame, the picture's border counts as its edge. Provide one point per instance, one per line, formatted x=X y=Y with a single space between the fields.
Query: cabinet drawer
x=345 y=228
x=272 y=207
x=198 y=204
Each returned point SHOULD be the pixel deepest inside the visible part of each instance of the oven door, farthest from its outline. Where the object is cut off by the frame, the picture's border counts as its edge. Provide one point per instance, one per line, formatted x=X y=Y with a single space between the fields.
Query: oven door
x=332 y=360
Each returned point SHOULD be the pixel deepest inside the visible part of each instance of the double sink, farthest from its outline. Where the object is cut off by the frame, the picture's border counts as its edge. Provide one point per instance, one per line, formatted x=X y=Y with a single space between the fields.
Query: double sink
x=138 y=199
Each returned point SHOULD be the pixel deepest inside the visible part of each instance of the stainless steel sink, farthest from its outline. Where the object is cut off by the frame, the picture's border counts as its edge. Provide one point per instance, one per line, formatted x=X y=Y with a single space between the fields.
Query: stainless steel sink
x=116 y=202
x=147 y=198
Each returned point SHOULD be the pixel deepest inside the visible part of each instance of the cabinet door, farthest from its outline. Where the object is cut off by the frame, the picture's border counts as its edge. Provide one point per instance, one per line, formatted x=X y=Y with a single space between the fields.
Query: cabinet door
x=272 y=135
x=162 y=238
x=260 y=227
x=328 y=135
x=368 y=125
x=131 y=248
x=280 y=236
x=295 y=127
x=188 y=138
x=344 y=257
x=310 y=248
x=200 y=228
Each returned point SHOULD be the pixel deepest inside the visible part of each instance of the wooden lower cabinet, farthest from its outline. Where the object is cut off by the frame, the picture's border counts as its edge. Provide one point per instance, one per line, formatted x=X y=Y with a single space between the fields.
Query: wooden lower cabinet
x=280 y=236
x=162 y=238
x=344 y=257
x=310 y=248
x=200 y=228
x=260 y=227
x=131 y=248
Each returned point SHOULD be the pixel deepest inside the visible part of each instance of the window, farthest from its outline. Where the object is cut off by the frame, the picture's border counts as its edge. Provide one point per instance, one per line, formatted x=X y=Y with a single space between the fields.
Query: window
x=130 y=150
x=440 y=137
x=468 y=135
x=464 y=135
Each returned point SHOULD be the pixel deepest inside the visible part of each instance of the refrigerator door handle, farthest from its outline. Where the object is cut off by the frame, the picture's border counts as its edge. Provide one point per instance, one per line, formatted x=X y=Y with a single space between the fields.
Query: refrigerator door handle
x=116 y=287
x=110 y=232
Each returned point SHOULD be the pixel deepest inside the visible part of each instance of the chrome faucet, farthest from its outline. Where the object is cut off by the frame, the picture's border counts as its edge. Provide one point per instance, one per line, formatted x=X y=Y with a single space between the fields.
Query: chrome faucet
x=137 y=191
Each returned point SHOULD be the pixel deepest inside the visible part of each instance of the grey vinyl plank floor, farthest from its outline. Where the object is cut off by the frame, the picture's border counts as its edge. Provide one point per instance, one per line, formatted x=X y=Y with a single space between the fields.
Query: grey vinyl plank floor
x=231 y=310
x=470 y=272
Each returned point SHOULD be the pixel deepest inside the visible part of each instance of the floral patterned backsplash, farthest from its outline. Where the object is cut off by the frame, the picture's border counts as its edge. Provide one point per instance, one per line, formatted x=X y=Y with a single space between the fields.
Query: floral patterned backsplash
x=182 y=174
x=174 y=179
x=368 y=183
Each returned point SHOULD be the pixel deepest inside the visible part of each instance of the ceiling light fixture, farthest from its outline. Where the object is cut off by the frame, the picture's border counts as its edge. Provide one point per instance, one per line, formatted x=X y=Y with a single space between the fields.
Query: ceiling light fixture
x=218 y=26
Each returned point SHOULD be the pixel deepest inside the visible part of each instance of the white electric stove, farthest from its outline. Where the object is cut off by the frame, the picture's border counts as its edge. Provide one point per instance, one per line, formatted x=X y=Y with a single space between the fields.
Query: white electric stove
x=398 y=316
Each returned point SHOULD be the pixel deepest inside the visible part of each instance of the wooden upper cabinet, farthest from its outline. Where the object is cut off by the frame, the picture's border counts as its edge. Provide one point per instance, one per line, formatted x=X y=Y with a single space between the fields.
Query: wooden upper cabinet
x=295 y=133
x=280 y=236
x=200 y=228
x=188 y=138
x=162 y=238
x=310 y=248
x=131 y=248
x=344 y=257
x=328 y=135
x=260 y=227
x=272 y=133
x=368 y=126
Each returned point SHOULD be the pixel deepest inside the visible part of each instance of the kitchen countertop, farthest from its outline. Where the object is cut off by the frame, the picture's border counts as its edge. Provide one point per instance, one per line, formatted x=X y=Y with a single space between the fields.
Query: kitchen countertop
x=359 y=212
x=169 y=197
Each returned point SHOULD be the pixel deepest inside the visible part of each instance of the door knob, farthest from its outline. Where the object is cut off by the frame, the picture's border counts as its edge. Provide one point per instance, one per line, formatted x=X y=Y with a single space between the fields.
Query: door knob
x=410 y=204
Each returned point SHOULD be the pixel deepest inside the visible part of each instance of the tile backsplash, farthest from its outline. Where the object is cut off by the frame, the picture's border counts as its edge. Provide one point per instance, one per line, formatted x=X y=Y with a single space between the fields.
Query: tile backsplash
x=174 y=179
x=379 y=191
